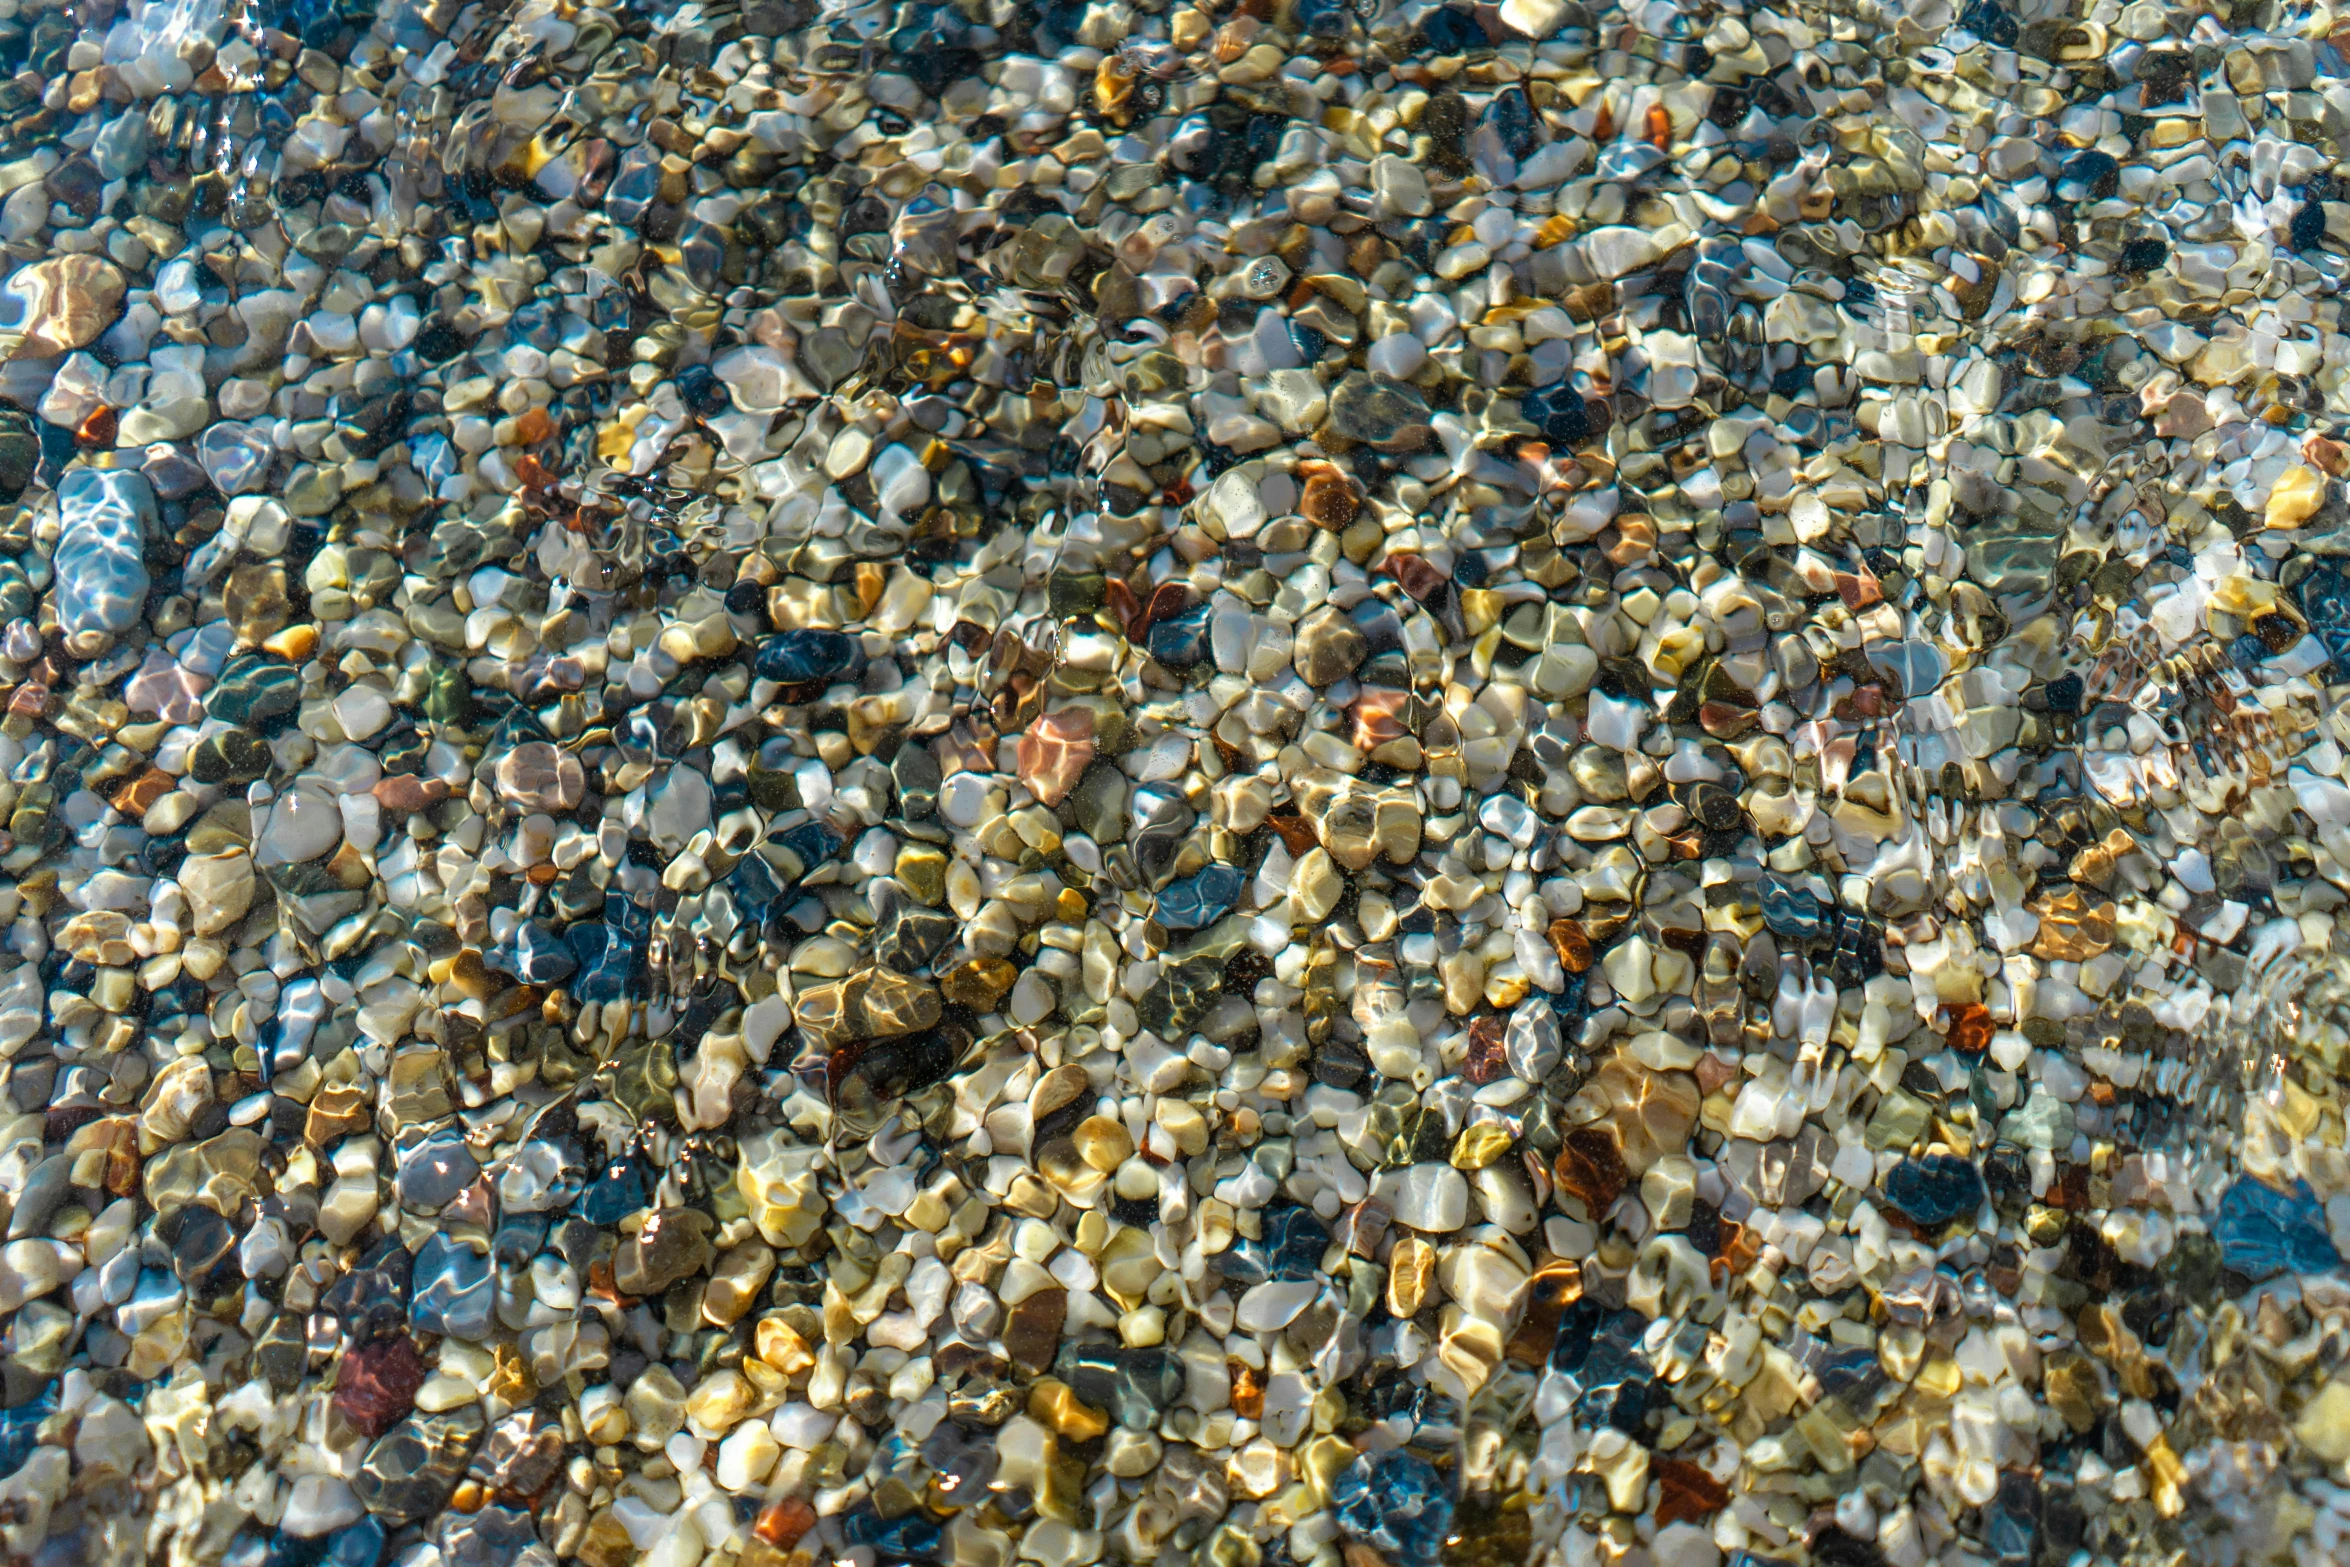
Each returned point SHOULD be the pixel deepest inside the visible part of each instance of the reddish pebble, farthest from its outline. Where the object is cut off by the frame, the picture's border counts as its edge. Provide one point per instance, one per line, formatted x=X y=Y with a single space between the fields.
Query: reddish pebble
x=1421 y=580
x=1054 y=753
x=1379 y=717
x=1486 y=1059
x=782 y=1523
x=407 y=792
x=377 y=1383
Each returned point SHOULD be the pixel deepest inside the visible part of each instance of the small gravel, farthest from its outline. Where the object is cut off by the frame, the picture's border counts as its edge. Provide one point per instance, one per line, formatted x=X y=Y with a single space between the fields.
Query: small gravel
x=1286 y=784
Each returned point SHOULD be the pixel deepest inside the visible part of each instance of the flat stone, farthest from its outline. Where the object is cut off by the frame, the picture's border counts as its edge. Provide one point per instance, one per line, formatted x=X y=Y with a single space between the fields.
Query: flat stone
x=58 y=304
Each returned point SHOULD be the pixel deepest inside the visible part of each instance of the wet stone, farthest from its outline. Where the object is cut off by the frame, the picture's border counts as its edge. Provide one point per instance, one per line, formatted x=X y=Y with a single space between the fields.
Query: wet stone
x=817 y=742
x=1935 y=1190
x=673 y=1244
x=797 y=657
x=1032 y=1329
x=1134 y=1385
x=253 y=690
x=1290 y=1249
x=451 y=1290
x=1380 y=412
x=2262 y=1231
x=407 y=1475
x=1395 y=1503
x=377 y=1383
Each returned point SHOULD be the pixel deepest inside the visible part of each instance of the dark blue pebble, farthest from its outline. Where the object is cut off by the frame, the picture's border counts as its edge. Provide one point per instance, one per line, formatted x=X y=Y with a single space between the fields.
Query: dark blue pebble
x=608 y=956
x=795 y=657
x=1181 y=640
x=453 y=1295
x=2325 y=599
x=2262 y=1231
x=1290 y=1250
x=1987 y=21
x=908 y=1538
x=2088 y=175
x=755 y=889
x=1559 y=412
x=813 y=842
x=1936 y=1189
x=1200 y=900
x=612 y=1196
x=254 y=690
x=1796 y=913
x=2309 y=226
x=520 y=1237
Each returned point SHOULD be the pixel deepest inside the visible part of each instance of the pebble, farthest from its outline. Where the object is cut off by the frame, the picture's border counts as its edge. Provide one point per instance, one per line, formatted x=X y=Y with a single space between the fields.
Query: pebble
x=1297 y=786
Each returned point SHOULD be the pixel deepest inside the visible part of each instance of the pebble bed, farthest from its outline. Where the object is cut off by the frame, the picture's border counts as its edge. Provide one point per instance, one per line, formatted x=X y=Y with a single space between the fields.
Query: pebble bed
x=1257 y=784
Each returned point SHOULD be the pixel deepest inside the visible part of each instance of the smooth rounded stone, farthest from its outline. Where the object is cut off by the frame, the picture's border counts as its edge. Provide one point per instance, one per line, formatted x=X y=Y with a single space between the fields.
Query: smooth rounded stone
x=300 y=824
x=673 y=1243
x=2262 y=1231
x=104 y=519
x=229 y=758
x=1935 y=1189
x=759 y=379
x=44 y=1189
x=1032 y=1329
x=901 y=484
x=1380 y=412
x=1532 y=1040
x=165 y=690
x=2295 y=497
x=377 y=1382
x=1432 y=1197
x=120 y=148
x=362 y=712
x=1398 y=356
x=254 y=689
x=319 y=1505
x=799 y=657
x=435 y=1171
x=1098 y=800
x=59 y=304
x=536 y=776
x=2041 y=1121
x=678 y=810
x=1198 y=901
x=452 y=1292
x=1399 y=186
x=409 y=1471
x=1328 y=648
x=1233 y=505
x=1054 y=753
x=1272 y=1306
x=20 y=453
x=110 y=1435
x=32 y=1268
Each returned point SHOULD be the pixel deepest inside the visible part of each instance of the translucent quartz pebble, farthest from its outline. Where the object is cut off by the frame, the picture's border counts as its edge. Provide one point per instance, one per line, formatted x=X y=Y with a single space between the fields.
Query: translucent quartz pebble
x=104 y=516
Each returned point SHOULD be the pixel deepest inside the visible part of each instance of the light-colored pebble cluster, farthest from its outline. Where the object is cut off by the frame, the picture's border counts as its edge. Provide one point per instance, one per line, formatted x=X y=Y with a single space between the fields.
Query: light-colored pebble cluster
x=1258 y=784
